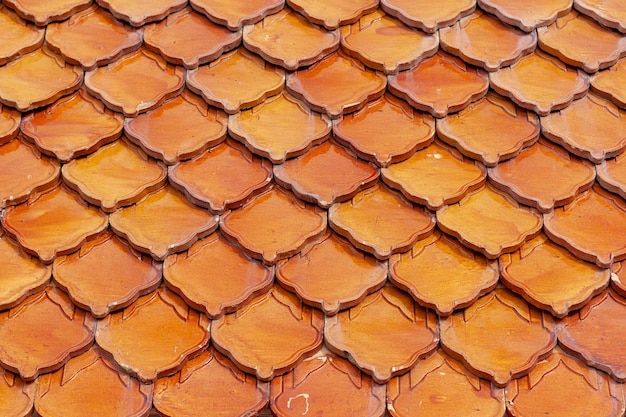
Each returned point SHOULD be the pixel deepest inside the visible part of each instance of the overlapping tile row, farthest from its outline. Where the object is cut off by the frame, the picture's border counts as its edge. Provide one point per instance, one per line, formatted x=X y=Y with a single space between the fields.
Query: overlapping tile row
x=353 y=208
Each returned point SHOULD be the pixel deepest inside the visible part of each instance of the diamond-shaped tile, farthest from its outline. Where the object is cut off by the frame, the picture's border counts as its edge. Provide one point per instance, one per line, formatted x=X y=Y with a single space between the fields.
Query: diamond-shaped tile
x=611 y=13
x=16 y=396
x=45 y=12
x=611 y=174
x=528 y=15
x=332 y=14
x=140 y=13
x=234 y=15
x=610 y=83
x=427 y=15
x=18 y=37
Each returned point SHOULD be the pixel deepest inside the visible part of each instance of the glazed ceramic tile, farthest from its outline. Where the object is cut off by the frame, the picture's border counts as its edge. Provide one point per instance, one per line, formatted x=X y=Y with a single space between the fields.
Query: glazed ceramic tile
x=611 y=174
x=18 y=37
x=140 y=13
x=426 y=15
x=162 y=223
x=326 y=384
x=55 y=78
x=53 y=223
x=154 y=336
x=388 y=319
x=16 y=396
x=135 y=83
x=330 y=274
x=435 y=176
x=481 y=39
x=106 y=275
x=618 y=278
x=331 y=14
x=274 y=225
x=442 y=386
x=103 y=388
x=499 y=337
x=381 y=222
x=237 y=14
x=279 y=128
x=385 y=131
x=591 y=227
x=289 y=40
x=74 y=126
x=215 y=277
x=326 y=174
x=550 y=277
x=250 y=337
x=540 y=82
x=43 y=13
x=210 y=383
x=440 y=85
x=442 y=274
x=9 y=123
x=48 y=315
x=528 y=15
x=611 y=13
x=369 y=38
x=524 y=177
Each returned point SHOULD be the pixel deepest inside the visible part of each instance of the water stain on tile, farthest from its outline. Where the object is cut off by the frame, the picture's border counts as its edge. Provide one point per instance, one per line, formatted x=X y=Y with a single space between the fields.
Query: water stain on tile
x=610 y=13
x=238 y=14
x=10 y=120
x=528 y=15
x=611 y=174
x=16 y=396
x=610 y=83
x=18 y=37
x=426 y=15
x=140 y=13
x=43 y=13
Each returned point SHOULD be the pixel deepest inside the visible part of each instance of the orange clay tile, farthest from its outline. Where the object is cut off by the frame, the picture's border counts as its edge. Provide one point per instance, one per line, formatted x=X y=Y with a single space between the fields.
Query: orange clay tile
x=54 y=78
x=115 y=175
x=388 y=319
x=440 y=85
x=178 y=129
x=529 y=14
x=103 y=388
x=524 y=177
x=325 y=384
x=481 y=39
x=289 y=40
x=234 y=15
x=74 y=126
x=490 y=222
x=45 y=12
x=369 y=38
x=610 y=13
x=618 y=278
x=435 y=176
x=135 y=83
x=279 y=128
x=16 y=396
x=385 y=131
x=188 y=38
x=442 y=274
x=215 y=277
x=332 y=14
x=18 y=37
x=10 y=120
x=336 y=85
x=380 y=221
x=42 y=333
x=540 y=82
x=91 y=38
x=154 y=336
x=563 y=386
x=270 y=335
x=223 y=177
x=53 y=223
x=162 y=223
x=551 y=278
x=592 y=227
x=611 y=174
x=24 y=172
x=330 y=274
x=610 y=83
x=274 y=225
x=442 y=386
x=140 y=13
x=499 y=337
x=106 y=275
x=326 y=174
x=236 y=80
x=427 y=15
x=211 y=385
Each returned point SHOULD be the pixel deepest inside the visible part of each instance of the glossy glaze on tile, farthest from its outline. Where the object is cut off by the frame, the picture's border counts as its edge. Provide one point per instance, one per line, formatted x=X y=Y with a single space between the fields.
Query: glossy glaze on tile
x=250 y=337
x=529 y=14
x=154 y=336
x=279 y=128
x=611 y=13
x=331 y=14
x=140 y=13
x=103 y=388
x=16 y=396
x=618 y=278
x=426 y=15
x=435 y=176
x=210 y=384
x=53 y=223
x=482 y=40
x=18 y=37
x=389 y=319
x=162 y=223
x=289 y=40
x=611 y=174
x=9 y=123
x=550 y=277
x=215 y=277
x=442 y=386
x=48 y=315
x=442 y=274
x=440 y=85
x=385 y=131
x=43 y=13
x=135 y=83
x=330 y=274
x=273 y=225
x=326 y=174
x=106 y=275
x=237 y=14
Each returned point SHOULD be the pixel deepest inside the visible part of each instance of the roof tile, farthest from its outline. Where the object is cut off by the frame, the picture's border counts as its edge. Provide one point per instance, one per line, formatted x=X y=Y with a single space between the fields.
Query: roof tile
x=235 y=15
x=18 y=37
x=426 y=15
x=530 y=14
x=140 y=13
x=332 y=14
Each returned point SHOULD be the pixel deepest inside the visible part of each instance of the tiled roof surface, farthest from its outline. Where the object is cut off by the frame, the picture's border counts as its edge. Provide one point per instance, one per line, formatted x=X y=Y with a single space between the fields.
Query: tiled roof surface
x=318 y=207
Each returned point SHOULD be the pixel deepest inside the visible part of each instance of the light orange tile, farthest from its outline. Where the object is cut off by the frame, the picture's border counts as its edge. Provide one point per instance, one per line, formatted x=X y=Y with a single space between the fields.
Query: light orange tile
x=140 y=13
x=16 y=396
x=611 y=174
x=18 y=37
x=610 y=83
x=618 y=278
x=235 y=15
x=426 y=15
x=10 y=120
x=331 y=14
x=46 y=12
x=530 y=14
x=610 y=13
